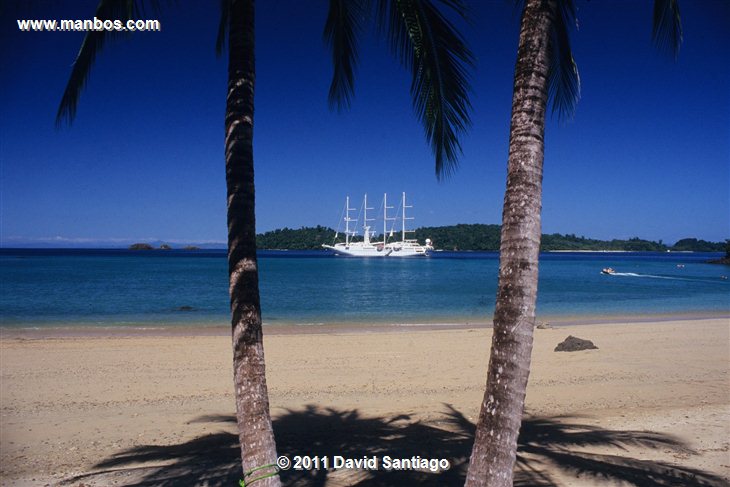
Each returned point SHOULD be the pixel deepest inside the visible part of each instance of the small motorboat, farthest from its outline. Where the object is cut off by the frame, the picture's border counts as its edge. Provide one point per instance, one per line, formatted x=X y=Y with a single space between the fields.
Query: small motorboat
x=608 y=270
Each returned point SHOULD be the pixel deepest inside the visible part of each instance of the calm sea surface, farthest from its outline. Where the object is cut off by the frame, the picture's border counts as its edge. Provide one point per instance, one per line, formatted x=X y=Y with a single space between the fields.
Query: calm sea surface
x=119 y=287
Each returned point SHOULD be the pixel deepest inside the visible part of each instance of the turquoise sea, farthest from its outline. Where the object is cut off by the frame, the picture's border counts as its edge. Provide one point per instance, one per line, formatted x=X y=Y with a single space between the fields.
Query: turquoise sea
x=167 y=288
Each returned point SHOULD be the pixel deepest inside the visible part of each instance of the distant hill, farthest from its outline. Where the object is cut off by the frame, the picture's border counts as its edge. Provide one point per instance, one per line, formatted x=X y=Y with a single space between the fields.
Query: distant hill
x=557 y=241
x=461 y=237
x=694 y=245
x=141 y=246
x=723 y=260
x=305 y=238
x=480 y=237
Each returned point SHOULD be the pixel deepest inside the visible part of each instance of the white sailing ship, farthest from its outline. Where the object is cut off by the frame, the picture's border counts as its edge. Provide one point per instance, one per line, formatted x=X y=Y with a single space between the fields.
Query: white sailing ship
x=367 y=247
x=408 y=247
x=364 y=248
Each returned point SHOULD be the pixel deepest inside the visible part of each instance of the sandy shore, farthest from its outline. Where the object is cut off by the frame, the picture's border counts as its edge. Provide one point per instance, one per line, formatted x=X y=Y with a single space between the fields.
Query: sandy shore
x=652 y=401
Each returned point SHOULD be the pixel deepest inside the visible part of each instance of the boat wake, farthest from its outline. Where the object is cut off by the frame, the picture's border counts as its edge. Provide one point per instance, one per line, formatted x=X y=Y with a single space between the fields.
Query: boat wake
x=671 y=278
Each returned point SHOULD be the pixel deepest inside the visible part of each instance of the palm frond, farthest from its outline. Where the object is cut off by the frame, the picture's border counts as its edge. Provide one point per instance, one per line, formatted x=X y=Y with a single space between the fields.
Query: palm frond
x=92 y=44
x=563 y=77
x=667 y=26
x=341 y=31
x=220 y=41
x=429 y=45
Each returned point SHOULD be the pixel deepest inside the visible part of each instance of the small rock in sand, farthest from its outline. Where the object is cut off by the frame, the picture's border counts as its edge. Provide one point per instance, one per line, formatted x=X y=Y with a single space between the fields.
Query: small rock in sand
x=573 y=344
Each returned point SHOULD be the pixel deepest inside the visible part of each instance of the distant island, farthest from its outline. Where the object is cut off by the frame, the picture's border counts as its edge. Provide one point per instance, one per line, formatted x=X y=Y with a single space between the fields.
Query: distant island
x=482 y=237
x=467 y=237
x=146 y=246
x=723 y=260
x=141 y=246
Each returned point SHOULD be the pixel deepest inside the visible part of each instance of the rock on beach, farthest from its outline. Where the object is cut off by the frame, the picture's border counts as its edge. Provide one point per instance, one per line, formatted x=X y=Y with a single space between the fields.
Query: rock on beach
x=574 y=344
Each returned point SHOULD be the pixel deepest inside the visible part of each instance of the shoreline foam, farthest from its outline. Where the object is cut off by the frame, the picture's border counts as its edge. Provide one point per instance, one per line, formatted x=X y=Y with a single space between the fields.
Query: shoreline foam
x=64 y=330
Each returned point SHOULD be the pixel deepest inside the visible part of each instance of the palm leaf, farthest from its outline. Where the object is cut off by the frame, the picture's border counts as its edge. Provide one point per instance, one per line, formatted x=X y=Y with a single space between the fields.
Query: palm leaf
x=563 y=77
x=93 y=42
x=667 y=27
x=220 y=41
x=430 y=46
x=341 y=30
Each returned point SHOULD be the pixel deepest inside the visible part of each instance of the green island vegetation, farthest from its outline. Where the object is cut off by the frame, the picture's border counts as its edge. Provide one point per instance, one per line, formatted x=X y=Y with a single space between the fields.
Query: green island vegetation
x=164 y=246
x=694 y=245
x=305 y=238
x=470 y=237
x=723 y=260
x=141 y=246
x=481 y=237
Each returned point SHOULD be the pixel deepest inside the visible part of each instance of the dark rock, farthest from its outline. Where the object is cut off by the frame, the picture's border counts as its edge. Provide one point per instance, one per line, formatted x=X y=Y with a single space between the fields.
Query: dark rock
x=543 y=326
x=165 y=247
x=191 y=247
x=185 y=308
x=574 y=344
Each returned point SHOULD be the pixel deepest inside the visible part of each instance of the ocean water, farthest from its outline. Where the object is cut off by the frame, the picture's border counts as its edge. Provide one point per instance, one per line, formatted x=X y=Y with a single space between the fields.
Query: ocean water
x=166 y=288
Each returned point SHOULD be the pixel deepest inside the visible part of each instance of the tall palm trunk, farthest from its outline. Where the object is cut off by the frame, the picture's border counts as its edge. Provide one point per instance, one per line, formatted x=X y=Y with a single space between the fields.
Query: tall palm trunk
x=252 y=400
x=495 y=444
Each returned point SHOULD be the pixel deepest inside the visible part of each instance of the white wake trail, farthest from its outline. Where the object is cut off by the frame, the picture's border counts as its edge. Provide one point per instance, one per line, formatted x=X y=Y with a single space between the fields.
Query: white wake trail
x=671 y=278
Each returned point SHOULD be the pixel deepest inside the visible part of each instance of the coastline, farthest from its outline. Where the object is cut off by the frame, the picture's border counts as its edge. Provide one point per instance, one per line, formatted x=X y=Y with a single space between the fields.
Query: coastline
x=96 y=408
x=221 y=328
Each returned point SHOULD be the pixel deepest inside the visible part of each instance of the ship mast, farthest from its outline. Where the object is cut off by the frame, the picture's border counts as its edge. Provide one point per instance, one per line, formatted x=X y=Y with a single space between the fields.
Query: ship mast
x=403 y=225
x=365 y=220
x=347 y=220
x=385 y=217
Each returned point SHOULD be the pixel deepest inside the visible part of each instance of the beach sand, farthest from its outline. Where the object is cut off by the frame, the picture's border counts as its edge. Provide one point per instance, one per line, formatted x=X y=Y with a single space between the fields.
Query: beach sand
x=142 y=409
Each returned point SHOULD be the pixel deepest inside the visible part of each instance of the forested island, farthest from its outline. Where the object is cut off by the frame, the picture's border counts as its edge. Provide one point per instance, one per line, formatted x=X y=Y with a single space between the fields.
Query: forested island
x=481 y=237
x=467 y=237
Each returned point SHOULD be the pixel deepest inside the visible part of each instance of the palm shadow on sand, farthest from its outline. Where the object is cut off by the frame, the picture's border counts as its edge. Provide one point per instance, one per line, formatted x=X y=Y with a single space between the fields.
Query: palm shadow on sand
x=213 y=460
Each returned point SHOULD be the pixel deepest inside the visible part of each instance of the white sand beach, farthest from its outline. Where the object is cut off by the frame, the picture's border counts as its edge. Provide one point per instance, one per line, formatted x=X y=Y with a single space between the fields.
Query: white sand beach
x=147 y=410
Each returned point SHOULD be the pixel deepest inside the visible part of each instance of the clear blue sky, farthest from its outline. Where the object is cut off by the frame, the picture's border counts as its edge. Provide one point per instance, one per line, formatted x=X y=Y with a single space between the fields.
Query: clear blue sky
x=647 y=154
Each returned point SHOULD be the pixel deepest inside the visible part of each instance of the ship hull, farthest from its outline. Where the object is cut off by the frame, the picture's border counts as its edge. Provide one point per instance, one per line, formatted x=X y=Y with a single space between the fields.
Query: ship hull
x=359 y=251
x=409 y=248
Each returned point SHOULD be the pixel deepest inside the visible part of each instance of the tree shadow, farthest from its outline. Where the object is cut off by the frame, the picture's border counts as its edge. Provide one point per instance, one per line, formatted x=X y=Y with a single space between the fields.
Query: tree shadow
x=560 y=442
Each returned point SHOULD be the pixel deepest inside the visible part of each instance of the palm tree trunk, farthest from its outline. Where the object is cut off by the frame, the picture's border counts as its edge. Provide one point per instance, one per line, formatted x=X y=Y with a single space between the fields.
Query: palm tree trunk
x=252 y=400
x=494 y=452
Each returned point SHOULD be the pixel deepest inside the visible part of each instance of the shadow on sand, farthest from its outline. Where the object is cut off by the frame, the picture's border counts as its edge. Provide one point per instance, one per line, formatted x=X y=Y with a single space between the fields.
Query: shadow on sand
x=213 y=460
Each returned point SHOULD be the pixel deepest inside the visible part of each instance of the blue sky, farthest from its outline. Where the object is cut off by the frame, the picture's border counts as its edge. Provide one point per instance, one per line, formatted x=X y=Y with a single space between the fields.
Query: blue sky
x=647 y=154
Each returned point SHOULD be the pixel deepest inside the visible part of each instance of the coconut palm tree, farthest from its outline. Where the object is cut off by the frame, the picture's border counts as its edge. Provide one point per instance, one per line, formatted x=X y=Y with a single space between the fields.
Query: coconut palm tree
x=255 y=432
x=545 y=68
x=428 y=45
x=426 y=42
